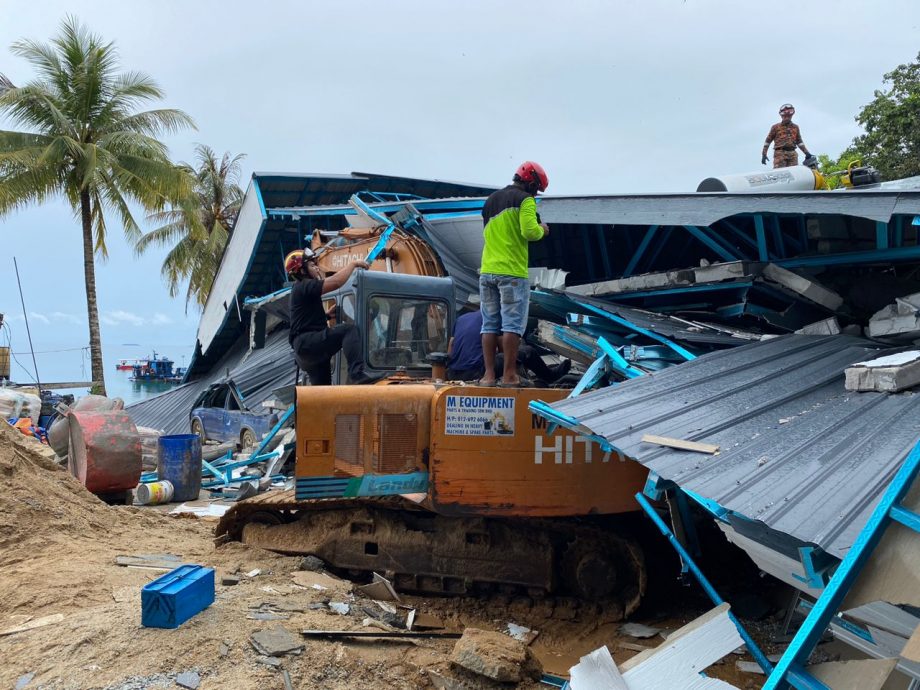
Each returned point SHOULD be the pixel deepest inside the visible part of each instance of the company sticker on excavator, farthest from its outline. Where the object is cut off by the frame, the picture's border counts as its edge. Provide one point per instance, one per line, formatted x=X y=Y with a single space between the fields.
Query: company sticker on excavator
x=479 y=415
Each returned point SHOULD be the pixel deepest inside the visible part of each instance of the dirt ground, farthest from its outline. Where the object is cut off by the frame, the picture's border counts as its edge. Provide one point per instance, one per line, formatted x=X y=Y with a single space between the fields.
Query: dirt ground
x=58 y=545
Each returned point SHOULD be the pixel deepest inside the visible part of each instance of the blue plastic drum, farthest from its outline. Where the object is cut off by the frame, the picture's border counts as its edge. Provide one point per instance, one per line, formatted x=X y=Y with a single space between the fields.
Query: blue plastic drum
x=179 y=462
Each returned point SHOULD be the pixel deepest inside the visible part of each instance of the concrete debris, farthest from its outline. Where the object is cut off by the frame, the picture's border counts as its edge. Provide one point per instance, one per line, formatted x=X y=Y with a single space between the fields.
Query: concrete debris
x=276 y=642
x=272 y=661
x=899 y=319
x=188 y=679
x=639 y=631
x=268 y=616
x=806 y=287
x=829 y=326
x=230 y=580
x=890 y=374
x=380 y=589
x=286 y=677
x=312 y=563
x=224 y=649
x=24 y=680
x=339 y=607
x=521 y=633
x=496 y=656
x=748 y=667
x=254 y=573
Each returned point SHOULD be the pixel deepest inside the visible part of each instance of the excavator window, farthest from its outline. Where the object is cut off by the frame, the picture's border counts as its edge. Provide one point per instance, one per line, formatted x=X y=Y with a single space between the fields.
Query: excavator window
x=402 y=331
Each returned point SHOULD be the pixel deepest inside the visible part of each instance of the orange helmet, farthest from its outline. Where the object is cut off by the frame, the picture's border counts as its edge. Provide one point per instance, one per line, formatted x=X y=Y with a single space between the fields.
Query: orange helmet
x=294 y=262
x=531 y=173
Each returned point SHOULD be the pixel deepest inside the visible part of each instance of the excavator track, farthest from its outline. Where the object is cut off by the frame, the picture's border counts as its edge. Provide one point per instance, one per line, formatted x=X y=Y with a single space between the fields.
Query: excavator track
x=423 y=552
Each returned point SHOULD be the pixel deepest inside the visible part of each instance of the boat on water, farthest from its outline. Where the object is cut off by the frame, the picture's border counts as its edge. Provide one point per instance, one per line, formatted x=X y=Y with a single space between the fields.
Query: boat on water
x=128 y=364
x=157 y=369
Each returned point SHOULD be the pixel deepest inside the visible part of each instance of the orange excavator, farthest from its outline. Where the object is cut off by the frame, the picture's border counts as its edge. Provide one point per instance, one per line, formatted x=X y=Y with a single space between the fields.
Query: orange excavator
x=444 y=488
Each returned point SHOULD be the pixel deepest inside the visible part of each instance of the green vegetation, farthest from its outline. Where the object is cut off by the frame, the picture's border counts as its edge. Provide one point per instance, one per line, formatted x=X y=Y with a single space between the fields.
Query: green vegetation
x=891 y=124
x=84 y=139
x=198 y=231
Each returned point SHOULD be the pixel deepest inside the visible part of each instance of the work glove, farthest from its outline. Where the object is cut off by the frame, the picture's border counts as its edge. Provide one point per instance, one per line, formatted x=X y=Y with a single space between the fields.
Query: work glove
x=763 y=159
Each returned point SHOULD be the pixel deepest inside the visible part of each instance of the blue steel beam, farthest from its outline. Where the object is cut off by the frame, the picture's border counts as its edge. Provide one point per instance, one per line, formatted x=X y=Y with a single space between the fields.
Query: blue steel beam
x=761 y=234
x=755 y=651
x=712 y=243
x=881 y=235
x=659 y=245
x=605 y=255
x=683 y=352
x=853 y=258
x=643 y=245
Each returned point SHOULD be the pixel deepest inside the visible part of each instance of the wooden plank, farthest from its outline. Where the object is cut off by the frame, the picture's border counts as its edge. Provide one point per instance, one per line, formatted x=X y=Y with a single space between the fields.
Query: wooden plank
x=597 y=671
x=32 y=624
x=680 y=444
x=679 y=660
x=165 y=564
x=865 y=674
x=406 y=634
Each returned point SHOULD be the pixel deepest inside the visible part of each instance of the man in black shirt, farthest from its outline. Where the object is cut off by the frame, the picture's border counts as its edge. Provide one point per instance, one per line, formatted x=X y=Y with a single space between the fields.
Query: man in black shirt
x=314 y=343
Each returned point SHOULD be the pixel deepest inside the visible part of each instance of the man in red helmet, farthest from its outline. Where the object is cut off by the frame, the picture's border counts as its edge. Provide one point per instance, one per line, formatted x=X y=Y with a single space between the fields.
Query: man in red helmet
x=314 y=343
x=511 y=224
x=785 y=137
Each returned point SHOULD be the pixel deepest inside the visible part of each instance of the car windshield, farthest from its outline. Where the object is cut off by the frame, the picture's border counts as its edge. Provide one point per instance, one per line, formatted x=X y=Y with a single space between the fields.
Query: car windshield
x=403 y=331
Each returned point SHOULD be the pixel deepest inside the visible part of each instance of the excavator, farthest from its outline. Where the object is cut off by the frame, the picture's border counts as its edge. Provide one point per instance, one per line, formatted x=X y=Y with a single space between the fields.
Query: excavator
x=443 y=487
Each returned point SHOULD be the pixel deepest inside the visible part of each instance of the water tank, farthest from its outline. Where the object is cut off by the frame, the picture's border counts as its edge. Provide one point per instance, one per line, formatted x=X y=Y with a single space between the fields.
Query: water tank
x=795 y=178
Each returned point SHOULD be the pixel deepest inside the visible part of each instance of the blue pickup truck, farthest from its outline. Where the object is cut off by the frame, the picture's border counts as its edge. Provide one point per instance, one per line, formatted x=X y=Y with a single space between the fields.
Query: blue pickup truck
x=218 y=414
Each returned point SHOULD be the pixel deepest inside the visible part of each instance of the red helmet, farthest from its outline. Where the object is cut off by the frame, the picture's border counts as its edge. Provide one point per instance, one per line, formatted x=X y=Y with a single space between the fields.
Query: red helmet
x=532 y=173
x=293 y=262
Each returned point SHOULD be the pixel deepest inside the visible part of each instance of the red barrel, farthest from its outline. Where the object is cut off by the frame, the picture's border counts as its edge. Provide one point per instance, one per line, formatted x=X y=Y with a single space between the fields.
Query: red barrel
x=105 y=451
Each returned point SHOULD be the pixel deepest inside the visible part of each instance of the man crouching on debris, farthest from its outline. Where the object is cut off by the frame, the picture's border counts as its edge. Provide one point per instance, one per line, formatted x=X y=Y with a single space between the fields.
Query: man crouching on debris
x=314 y=343
x=511 y=223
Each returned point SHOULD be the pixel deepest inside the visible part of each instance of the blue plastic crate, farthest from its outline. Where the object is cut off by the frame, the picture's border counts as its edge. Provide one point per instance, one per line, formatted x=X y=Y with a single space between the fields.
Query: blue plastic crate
x=172 y=599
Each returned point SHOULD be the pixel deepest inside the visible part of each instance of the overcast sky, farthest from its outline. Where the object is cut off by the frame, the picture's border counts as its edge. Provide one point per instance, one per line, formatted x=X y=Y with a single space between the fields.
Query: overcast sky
x=608 y=96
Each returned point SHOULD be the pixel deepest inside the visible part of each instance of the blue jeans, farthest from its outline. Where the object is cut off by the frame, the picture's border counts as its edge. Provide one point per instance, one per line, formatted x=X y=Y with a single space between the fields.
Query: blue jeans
x=504 y=301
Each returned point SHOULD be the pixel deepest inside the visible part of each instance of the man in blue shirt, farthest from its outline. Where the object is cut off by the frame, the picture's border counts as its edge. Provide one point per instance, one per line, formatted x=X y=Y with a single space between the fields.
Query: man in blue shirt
x=466 y=362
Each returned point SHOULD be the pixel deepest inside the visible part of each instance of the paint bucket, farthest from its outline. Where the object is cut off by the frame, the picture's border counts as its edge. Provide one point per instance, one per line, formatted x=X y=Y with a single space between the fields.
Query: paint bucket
x=154 y=493
x=179 y=462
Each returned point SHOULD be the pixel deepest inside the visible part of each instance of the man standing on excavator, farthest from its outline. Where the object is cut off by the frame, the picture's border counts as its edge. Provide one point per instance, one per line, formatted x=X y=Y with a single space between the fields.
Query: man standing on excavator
x=511 y=223
x=314 y=343
x=785 y=137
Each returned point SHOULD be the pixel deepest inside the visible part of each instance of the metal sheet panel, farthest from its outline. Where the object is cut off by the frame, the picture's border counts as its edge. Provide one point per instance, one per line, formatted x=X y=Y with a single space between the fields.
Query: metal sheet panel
x=704 y=209
x=797 y=451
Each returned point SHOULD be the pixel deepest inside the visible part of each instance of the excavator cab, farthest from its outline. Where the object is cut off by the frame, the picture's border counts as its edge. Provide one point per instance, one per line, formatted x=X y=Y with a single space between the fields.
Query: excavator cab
x=402 y=319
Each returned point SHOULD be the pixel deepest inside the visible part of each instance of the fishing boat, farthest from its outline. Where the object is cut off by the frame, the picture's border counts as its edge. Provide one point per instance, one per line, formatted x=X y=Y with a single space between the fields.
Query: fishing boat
x=156 y=369
x=128 y=364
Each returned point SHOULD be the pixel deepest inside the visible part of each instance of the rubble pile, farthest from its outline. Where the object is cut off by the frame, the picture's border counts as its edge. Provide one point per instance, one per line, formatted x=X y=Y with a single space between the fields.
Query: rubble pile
x=40 y=500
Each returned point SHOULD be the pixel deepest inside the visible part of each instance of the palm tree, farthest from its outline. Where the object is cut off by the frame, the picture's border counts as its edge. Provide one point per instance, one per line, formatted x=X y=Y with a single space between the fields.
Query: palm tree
x=87 y=142
x=198 y=231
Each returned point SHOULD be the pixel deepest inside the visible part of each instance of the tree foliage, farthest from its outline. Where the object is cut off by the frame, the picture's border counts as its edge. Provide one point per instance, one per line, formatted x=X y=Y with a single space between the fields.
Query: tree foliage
x=80 y=136
x=891 y=121
x=198 y=228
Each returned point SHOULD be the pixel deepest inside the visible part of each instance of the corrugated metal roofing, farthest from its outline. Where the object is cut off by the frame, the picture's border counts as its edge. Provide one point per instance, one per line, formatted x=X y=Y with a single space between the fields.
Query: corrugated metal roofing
x=704 y=209
x=256 y=375
x=799 y=453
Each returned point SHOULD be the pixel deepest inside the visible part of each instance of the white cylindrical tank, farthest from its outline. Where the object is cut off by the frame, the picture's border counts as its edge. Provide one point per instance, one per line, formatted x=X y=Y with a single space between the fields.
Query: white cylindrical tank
x=792 y=179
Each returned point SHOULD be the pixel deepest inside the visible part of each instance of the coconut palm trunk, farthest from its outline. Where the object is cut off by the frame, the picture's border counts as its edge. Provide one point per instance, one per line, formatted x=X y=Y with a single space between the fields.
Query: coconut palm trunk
x=92 y=308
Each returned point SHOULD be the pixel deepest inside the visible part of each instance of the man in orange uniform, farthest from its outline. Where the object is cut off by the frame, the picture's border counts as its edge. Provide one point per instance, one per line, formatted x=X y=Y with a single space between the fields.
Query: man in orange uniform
x=785 y=137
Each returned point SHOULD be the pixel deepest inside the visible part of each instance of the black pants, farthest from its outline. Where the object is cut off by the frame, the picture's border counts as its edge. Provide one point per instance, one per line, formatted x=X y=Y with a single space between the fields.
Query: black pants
x=314 y=350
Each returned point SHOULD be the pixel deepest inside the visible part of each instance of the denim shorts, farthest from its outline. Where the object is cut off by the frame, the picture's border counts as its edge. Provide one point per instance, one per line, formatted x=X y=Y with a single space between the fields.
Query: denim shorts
x=504 y=301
